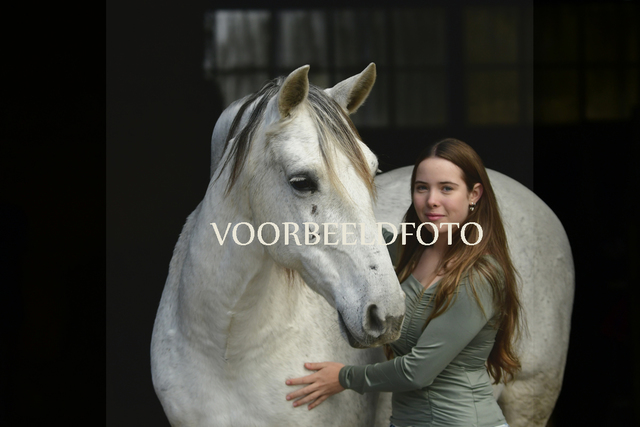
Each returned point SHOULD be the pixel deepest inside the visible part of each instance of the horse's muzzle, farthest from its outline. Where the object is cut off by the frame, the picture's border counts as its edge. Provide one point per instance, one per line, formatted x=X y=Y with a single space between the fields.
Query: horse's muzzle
x=376 y=330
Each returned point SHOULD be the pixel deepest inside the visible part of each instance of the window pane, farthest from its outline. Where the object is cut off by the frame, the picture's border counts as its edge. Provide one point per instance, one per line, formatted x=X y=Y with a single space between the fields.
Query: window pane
x=611 y=32
x=526 y=99
x=629 y=21
x=419 y=37
x=630 y=92
x=603 y=91
x=316 y=77
x=527 y=102
x=611 y=93
x=492 y=97
x=556 y=96
x=374 y=112
x=556 y=33
x=302 y=39
x=359 y=36
x=240 y=39
x=527 y=55
x=209 y=61
x=235 y=86
x=420 y=99
x=491 y=34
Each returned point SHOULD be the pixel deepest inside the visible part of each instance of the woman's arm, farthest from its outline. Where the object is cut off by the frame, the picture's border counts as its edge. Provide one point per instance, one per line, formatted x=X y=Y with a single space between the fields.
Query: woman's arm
x=443 y=339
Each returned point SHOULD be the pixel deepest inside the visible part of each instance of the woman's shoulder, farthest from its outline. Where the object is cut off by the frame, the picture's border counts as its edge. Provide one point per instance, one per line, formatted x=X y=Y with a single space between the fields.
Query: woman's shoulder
x=486 y=271
x=484 y=282
x=490 y=259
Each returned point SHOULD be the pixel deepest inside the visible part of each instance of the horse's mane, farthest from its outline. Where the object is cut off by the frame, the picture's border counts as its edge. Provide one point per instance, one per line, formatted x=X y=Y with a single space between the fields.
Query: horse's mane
x=332 y=124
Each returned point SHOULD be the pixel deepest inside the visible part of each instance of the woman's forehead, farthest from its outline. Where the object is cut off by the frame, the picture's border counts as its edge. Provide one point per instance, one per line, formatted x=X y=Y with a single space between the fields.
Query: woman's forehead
x=436 y=169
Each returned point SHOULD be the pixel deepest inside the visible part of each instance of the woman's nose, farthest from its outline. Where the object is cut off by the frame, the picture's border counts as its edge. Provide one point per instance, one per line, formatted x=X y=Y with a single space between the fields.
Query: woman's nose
x=432 y=200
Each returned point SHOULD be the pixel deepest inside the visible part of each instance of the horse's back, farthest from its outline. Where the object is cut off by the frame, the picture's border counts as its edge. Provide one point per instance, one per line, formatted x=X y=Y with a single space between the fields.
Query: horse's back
x=541 y=253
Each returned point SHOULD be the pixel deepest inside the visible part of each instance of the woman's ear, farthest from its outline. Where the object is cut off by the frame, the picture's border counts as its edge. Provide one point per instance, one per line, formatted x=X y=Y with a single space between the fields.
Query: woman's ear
x=476 y=193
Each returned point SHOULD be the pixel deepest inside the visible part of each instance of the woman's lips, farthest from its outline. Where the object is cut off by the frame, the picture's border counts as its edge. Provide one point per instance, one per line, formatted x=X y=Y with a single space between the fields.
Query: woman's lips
x=434 y=217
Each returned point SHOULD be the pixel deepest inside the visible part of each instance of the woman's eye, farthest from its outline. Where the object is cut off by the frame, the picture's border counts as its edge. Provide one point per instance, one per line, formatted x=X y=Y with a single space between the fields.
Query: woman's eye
x=303 y=183
x=446 y=189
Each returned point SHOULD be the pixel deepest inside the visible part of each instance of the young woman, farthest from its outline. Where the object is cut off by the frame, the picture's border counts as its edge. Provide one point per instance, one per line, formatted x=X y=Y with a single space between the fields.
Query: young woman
x=462 y=308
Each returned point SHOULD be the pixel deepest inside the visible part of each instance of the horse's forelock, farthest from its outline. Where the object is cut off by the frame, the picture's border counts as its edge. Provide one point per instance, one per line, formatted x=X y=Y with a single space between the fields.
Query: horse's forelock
x=332 y=125
x=255 y=107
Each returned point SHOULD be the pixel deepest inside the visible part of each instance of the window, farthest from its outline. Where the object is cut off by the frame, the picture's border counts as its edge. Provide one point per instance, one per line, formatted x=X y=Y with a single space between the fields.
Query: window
x=498 y=64
x=422 y=54
x=587 y=59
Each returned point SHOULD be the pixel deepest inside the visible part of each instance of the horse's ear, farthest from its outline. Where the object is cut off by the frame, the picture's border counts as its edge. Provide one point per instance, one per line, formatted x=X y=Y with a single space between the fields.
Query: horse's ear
x=351 y=93
x=295 y=89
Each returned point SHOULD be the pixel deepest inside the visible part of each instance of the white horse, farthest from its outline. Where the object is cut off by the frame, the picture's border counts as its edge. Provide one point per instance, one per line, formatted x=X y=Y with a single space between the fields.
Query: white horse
x=238 y=316
x=233 y=323
x=541 y=253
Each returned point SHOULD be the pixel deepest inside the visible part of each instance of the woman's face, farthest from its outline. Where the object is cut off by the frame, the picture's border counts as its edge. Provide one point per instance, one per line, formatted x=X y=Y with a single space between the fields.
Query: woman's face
x=440 y=194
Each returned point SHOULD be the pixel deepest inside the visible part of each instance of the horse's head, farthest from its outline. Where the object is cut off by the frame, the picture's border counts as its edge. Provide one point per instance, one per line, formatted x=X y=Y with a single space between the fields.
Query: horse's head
x=302 y=161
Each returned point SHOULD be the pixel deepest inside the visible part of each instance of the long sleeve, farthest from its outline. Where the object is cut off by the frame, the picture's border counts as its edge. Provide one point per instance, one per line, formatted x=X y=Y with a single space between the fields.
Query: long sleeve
x=443 y=339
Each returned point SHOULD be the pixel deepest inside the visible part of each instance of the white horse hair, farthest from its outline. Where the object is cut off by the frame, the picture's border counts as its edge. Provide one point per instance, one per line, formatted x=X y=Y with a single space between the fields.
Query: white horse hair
x=235 y=321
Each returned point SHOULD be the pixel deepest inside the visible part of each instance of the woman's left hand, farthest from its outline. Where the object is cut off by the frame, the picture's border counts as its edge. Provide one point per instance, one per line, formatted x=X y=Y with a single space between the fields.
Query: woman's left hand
x=322 y=384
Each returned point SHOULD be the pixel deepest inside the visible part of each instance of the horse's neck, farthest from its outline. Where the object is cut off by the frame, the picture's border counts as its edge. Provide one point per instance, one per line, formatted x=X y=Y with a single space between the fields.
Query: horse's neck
x=271 y=315
x=234 y=298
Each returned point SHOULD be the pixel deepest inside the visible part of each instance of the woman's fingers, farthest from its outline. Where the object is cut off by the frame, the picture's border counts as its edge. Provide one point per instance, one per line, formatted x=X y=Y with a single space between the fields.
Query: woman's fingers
x=308 y=398
x=302 y=392
x=318 y=401
x=301 y=380
x=309 y=378
x=319 y=385
x=315 y=366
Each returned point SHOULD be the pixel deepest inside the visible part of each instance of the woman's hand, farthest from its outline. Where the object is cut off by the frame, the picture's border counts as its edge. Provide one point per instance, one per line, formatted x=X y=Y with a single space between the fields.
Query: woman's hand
x=322 y=384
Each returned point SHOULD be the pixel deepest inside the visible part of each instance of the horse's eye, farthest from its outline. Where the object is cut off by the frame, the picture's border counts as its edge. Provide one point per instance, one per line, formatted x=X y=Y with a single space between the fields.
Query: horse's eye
x=303 y=183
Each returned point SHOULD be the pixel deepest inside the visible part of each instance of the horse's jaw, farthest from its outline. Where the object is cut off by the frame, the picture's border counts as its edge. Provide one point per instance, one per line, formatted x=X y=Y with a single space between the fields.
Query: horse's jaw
x=368 y=311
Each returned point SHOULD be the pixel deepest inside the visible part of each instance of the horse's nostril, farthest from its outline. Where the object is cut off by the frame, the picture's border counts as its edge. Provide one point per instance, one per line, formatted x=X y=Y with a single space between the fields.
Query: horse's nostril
x=374 y=324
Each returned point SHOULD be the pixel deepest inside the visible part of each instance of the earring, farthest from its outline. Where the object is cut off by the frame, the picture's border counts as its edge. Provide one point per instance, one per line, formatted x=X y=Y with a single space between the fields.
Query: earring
x=472 y=206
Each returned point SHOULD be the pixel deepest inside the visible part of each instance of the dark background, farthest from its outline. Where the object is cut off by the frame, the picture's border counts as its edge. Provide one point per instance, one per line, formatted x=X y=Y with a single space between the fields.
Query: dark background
x=160 y=112
x=52 y=216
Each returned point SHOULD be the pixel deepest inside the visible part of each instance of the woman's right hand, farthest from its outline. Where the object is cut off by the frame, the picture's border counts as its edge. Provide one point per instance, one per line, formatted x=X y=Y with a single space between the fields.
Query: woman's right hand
x=322 y=384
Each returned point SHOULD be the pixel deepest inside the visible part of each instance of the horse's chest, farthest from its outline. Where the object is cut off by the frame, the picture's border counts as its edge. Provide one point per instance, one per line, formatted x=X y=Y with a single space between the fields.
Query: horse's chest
x=256 y=397
x=251 y=392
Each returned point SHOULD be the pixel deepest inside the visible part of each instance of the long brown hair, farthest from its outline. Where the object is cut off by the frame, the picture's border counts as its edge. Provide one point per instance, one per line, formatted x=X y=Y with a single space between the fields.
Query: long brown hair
x=461 y=259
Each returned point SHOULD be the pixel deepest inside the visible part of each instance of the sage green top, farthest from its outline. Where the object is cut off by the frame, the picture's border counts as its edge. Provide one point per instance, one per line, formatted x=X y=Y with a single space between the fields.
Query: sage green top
x=438 y=377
